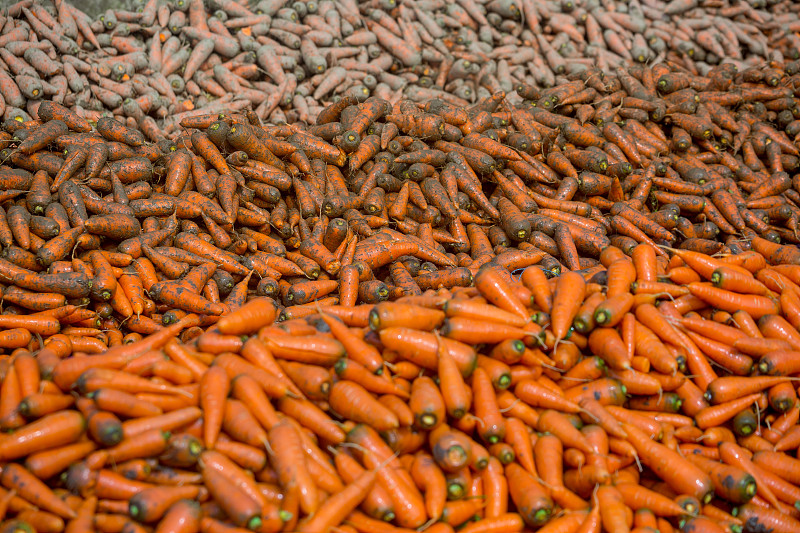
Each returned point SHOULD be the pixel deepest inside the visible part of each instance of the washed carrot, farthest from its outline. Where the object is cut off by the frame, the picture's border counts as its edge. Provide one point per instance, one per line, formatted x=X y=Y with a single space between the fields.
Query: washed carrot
x=687 y=479
x=238 y=506
x=151 y=504
x=357 y=349
x=638 y=497
x=728 y=388
x=454 y=391
x=756 y=306
x=493 y=288
x=214 y=389
x=730 y=483
x=336 y=509
x=50 y=431
x=528 y=495
x=354 y=402
x=568 y=294
x=536 y=395
x=18 y=478
x=290 y=466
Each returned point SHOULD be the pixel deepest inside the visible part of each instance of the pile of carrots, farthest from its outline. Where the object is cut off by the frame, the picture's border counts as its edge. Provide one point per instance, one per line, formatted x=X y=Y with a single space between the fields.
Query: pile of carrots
x=558 y=405
x=487 y=299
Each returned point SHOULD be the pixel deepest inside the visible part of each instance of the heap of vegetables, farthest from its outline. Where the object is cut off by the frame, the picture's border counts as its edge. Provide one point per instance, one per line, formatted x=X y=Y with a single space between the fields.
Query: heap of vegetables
x=253 y=280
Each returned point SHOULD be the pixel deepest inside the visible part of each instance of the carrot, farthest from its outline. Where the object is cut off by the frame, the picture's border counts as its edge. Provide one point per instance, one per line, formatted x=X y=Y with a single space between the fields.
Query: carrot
x=537 y=395
x=314 y=381
x=776 y=327
x=778 y=362
x=451 y=383
x=756 y=306
x=535 y=280
x=528 y=495
x=290 y=466
x=610 y=312
x=722 y=354
x=472 y=331
x=568 y=295
x=728 y=388
x=220 y=463
x=151 y=504
x=45 y=464
x=180 y=297
x=238 y=506
x=774 y=520
x=57 y=429
x=431 y=480
x=240 y=424
x=352 y=401
x=607 y=344
x=451 y=449
x=559 y=425
x=37 y=405
x=584 y=318
x=49 y=110
x=335 y=509
x=166 y=422
x=42 y=136
x=782 y=397
x=183 y=515
x=421 y=348
x=494 y=288
x=638 y=497
x=183 y=450
x=214 y=388
x=26 y=485
x=730 y=483
x=686 y=479
x=777 y=463
x=733 y=280
x=386 y=315
x=102 y=426
x=10 y=397
x=612 y=508
x=713 y=416
x=485 y=407
x=97 y=378
x=312 y=349
x=734 y=455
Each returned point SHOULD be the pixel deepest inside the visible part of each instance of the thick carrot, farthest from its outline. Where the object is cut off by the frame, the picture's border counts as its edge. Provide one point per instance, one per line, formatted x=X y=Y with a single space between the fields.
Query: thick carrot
x=568 y=295
x=50 y=431
x=495 y=289
x=238 y=506
x=528 y=495
x=18 y=478
x=352 y=401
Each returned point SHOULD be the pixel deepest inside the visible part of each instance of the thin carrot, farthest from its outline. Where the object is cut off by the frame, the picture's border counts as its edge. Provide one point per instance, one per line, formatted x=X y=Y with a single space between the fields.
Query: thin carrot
x=335 y=509
x=214 y=388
